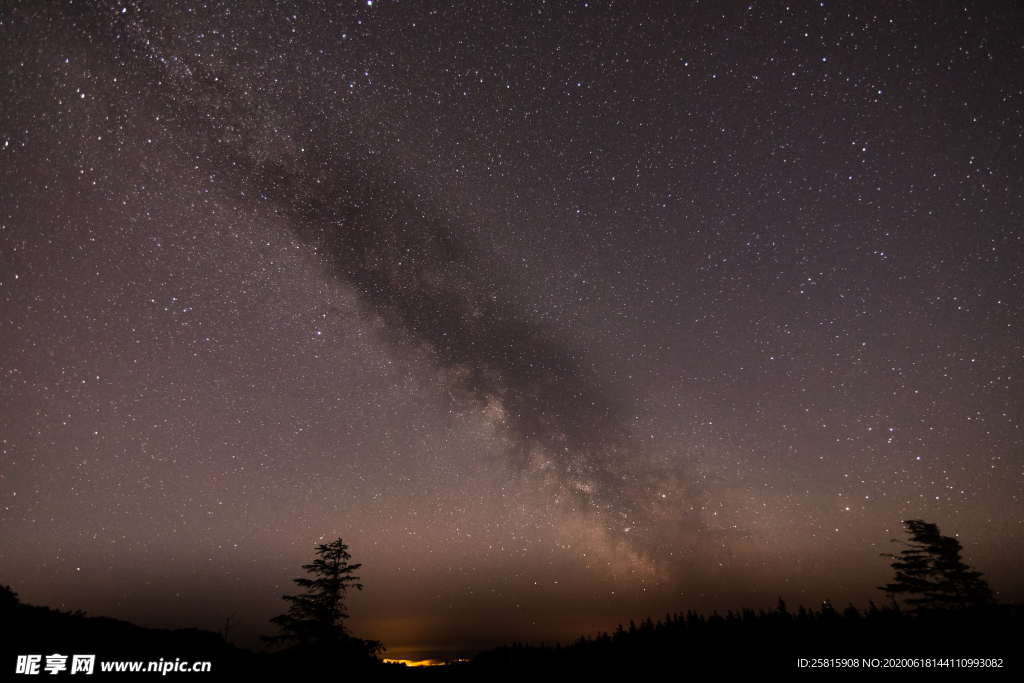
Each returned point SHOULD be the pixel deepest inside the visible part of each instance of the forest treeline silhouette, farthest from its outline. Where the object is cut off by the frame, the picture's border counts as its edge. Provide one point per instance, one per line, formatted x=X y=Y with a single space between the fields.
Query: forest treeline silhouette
x=937 y=607
x=749 y=640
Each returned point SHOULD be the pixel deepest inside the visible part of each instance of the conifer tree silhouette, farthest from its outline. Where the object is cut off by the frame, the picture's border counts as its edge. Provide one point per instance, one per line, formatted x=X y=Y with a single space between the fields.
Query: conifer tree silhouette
x=931 y=573
x=315 y=619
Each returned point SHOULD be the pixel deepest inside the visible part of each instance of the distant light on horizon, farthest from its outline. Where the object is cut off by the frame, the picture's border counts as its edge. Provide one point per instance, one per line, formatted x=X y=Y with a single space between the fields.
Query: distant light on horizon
x=424 y=662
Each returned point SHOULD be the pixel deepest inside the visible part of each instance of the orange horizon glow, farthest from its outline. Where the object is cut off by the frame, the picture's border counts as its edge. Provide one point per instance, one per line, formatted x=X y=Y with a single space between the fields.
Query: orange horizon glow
x=422 y=662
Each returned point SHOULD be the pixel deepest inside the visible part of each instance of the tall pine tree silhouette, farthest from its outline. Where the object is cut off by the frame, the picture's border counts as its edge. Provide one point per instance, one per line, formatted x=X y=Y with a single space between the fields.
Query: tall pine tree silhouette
x=314 y=622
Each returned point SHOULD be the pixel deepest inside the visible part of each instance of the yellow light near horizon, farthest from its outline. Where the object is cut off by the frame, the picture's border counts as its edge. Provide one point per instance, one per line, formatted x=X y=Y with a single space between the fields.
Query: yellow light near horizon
x=416 y=662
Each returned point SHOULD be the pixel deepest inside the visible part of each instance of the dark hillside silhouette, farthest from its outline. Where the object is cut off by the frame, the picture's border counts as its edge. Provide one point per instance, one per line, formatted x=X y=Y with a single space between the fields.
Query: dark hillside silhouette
x=36 y=630
x=31 y=629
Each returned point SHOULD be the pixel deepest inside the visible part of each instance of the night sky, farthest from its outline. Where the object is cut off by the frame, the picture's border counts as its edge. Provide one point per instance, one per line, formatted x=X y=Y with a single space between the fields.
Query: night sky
x=559 y=313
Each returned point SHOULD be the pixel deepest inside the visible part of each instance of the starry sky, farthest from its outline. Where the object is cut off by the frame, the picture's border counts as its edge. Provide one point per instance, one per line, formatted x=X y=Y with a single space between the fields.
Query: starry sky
x=559 y=313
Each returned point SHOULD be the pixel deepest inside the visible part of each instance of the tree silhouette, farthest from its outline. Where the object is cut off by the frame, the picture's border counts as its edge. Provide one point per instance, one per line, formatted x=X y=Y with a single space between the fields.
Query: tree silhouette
x=314 y=622
x=931 y=573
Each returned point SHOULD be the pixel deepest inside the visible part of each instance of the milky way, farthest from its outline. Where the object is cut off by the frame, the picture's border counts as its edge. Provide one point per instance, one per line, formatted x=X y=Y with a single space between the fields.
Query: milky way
x=413 y=266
